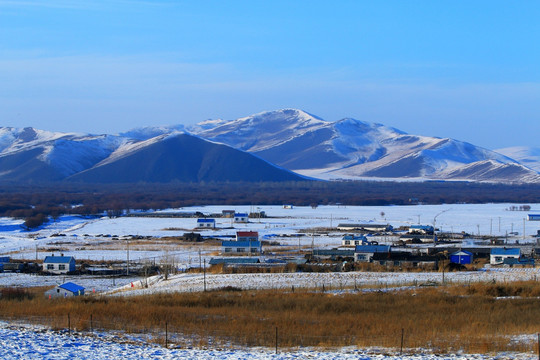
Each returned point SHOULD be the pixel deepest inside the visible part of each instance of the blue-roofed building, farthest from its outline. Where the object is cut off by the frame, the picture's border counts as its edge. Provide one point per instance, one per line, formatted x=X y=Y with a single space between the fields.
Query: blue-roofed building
x=59 y=264
x=364 y=253
x=65 y=290
x=499 y=255
x=234 y=261
x=5 y=259
x=206 y=223
x=461 y=257
x=353 y=240
x=241 y=218
x=247 y=247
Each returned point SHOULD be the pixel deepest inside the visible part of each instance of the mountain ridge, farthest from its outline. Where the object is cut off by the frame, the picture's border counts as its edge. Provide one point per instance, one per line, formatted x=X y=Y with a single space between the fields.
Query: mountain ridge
x=286 y=139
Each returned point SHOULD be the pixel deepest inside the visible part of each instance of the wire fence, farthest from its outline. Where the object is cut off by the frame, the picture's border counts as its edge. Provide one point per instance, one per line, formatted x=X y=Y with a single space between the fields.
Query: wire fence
x=173 y=336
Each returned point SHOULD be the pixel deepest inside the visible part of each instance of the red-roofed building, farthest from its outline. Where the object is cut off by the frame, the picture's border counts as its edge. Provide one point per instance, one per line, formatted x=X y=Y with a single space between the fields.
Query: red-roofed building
x=247 y=236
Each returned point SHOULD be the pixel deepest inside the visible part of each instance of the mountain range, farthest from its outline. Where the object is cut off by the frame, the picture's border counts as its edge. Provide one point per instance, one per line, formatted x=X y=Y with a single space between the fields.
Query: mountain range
x=282 y=145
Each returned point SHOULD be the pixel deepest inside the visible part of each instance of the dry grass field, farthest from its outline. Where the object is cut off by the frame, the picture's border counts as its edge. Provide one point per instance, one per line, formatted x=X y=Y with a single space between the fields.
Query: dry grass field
x=475 y=318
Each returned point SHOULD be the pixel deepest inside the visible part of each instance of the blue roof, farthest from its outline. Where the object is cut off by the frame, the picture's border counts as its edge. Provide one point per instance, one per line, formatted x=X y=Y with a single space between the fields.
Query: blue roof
x=242 y=260
x=206 y=220
x=505 y=251
x=354 y=237
x=69 y=286
x=241 y=243
x=421 y=227
x=58 y=259
x=372 y=248
x=240 y=215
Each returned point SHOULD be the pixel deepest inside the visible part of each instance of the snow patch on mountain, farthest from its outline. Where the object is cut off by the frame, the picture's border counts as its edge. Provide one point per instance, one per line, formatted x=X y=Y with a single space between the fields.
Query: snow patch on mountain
x=527 y=156
x=145 y=133
x=71 y=156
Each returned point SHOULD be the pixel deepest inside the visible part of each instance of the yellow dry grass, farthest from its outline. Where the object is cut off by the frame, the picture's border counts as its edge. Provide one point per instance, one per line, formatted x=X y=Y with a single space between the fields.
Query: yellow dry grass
x=471 y=318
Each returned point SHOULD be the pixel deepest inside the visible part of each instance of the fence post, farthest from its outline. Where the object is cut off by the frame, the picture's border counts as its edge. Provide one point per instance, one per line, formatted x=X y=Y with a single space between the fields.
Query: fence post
x=538 y=346
x=276 y=340
x=401 y=347
x=166 y=335
x=69 y=325
x=91 y=324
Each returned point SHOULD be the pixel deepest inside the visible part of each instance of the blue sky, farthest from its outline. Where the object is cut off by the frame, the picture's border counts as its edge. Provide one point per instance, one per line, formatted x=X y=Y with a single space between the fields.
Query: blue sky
x=469 y=70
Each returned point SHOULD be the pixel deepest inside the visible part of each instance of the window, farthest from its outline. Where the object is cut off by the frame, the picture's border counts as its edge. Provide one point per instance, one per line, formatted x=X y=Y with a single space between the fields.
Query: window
x=347 y=242
x=498 y=258
x=228 y=250
x=241 y=250
x=50 y=266
x=62 y=267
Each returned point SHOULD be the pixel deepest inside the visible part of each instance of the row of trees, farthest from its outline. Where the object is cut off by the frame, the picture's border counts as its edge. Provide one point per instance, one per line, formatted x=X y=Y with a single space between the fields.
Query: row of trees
x=51 y=201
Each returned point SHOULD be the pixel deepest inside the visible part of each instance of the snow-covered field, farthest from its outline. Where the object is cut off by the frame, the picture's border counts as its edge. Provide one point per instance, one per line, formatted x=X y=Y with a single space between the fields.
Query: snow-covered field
x=34 y=342
x=105 y=239
x=92 y=239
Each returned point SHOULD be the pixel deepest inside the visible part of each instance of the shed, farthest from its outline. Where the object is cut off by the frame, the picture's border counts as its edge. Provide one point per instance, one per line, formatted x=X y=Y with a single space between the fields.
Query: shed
x=461 y=257
x=59 y=264
x=66 y=290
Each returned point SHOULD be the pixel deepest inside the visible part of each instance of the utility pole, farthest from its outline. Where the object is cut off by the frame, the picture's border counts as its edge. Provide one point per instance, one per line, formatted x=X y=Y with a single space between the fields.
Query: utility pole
x=204 y=276
x=127 y=264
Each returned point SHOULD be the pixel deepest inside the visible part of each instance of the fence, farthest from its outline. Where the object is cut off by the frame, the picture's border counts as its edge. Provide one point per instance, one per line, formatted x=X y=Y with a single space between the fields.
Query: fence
x=179 y=337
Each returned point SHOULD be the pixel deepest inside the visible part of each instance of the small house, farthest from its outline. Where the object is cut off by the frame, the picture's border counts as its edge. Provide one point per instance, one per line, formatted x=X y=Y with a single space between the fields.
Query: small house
x=59 y=264
x=65 y=290
x=241 y=218
x=498 y=256
x=247 y=236
x=206 y=223
x=364 y=253
x=533 y=217
x=234 y=247
x=353 y=240
x=461 y=257
x=227 y=213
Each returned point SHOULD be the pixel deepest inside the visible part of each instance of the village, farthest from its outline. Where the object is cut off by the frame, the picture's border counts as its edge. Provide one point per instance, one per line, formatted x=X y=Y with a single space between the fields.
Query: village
x=274 y=240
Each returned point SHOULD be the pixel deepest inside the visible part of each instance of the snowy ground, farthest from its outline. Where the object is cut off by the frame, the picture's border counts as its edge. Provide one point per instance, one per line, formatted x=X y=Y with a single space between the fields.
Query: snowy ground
x=319 y=281
x=92 y=239
x=33 y=342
